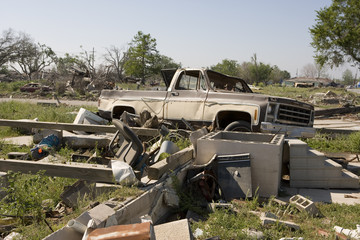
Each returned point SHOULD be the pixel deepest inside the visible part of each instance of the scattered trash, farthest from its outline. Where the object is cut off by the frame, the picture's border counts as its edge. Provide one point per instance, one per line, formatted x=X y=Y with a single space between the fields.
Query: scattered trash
x=79 y=227
x=347 y=232
x=46 y=145
x=13 y=236
x=123 y=172
x=253 y=234
x=198 y=233
x=166 y=147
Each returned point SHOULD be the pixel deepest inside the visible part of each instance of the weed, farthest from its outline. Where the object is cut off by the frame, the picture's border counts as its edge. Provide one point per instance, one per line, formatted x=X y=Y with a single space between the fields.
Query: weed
x=180 y=141
x=190 y=198
x=25 y=194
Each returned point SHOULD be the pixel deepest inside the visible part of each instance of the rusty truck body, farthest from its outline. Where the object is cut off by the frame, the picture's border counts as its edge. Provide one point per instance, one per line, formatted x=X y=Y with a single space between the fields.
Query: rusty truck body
x=204 y=97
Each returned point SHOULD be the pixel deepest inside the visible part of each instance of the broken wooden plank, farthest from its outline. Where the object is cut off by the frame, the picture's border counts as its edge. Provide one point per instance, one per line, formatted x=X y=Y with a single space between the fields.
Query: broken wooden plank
x=75 y=127
x=177 y=159
x=91 y=172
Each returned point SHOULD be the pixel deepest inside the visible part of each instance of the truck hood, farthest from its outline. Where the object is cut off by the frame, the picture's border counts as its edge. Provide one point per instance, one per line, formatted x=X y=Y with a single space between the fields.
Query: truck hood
x=260 y=98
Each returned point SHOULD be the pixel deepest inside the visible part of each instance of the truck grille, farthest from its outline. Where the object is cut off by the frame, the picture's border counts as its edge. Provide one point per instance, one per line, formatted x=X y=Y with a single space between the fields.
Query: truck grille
x=294 y=115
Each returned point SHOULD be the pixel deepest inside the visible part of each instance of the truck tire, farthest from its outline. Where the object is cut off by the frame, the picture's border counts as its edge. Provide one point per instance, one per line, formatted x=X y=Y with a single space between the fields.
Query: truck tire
x=239 y=126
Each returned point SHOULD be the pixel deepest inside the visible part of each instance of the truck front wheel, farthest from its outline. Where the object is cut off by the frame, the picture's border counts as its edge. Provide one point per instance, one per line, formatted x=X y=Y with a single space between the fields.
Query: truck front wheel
x=239 y=126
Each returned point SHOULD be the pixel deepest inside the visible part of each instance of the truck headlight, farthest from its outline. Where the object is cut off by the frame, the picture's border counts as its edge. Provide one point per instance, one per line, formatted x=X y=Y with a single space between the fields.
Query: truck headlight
x=271 y=109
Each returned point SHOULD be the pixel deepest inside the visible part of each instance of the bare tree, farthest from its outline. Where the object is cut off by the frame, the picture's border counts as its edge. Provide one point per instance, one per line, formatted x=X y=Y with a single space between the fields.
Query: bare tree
x=88 y=58
x=313 y=71
x=115 y=59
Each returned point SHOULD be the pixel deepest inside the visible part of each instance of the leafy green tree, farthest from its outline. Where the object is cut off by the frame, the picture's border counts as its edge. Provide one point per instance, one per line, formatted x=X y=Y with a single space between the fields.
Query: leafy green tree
x=336 y=34
x=164 y=62
x=347 y=77
x=260 y=72
x=277 y=75
x=142 y=56
x=245 y=72
x=227 y=66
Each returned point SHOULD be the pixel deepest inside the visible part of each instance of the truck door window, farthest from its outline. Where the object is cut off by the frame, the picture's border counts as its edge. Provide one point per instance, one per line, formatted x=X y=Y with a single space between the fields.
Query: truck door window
x=188 y=80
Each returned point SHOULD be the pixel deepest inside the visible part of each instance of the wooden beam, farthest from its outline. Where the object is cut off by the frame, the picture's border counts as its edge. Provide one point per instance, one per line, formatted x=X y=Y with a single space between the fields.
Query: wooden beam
x=75 y=127
x=177 y=159
x=91 y=172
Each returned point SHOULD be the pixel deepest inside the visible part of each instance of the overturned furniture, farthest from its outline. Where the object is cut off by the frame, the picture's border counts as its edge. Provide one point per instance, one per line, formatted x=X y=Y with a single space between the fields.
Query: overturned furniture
x=130 y=147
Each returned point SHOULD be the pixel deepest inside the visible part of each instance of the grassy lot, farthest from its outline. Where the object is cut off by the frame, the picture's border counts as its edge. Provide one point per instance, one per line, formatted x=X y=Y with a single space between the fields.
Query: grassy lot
x=31 y=197
x=26 y=193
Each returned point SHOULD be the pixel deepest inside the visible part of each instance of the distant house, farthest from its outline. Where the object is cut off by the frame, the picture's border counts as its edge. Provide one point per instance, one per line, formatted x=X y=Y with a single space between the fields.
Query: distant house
x=308 y=82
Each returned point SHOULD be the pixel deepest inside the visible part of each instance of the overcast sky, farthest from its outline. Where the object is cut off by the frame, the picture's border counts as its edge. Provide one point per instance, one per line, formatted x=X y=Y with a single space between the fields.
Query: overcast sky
x=196 y=33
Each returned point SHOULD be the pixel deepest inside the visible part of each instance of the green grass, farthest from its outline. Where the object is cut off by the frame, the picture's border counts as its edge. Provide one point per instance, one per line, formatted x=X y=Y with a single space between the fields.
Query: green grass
x=341 y=143
x=18 y=110
x=9 y=88
x=229 y=224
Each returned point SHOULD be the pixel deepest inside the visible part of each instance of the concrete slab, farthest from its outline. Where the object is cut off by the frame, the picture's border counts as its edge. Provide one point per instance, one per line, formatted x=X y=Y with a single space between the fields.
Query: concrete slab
x=85 y=141
x=341 y=196
x=22 y=140
x=177 y=230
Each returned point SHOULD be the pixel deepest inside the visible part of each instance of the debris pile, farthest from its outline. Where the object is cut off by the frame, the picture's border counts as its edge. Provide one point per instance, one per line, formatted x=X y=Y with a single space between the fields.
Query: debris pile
x=168 y=165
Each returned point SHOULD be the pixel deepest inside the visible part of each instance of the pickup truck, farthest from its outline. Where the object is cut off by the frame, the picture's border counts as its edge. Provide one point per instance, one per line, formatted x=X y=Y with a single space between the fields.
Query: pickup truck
x=204 y=97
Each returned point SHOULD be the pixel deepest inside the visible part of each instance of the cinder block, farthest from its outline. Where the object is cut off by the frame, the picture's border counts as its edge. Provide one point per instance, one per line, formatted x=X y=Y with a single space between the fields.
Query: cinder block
x=297 y=147
x=328 y=170
x=312 y=158
x=100 y=214
x=304 y=204
x=347 y=180
x=177 y=230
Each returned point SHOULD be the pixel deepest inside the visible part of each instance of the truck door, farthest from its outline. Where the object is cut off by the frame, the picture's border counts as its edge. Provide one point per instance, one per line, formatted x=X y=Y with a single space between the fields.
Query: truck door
x=186 y=98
